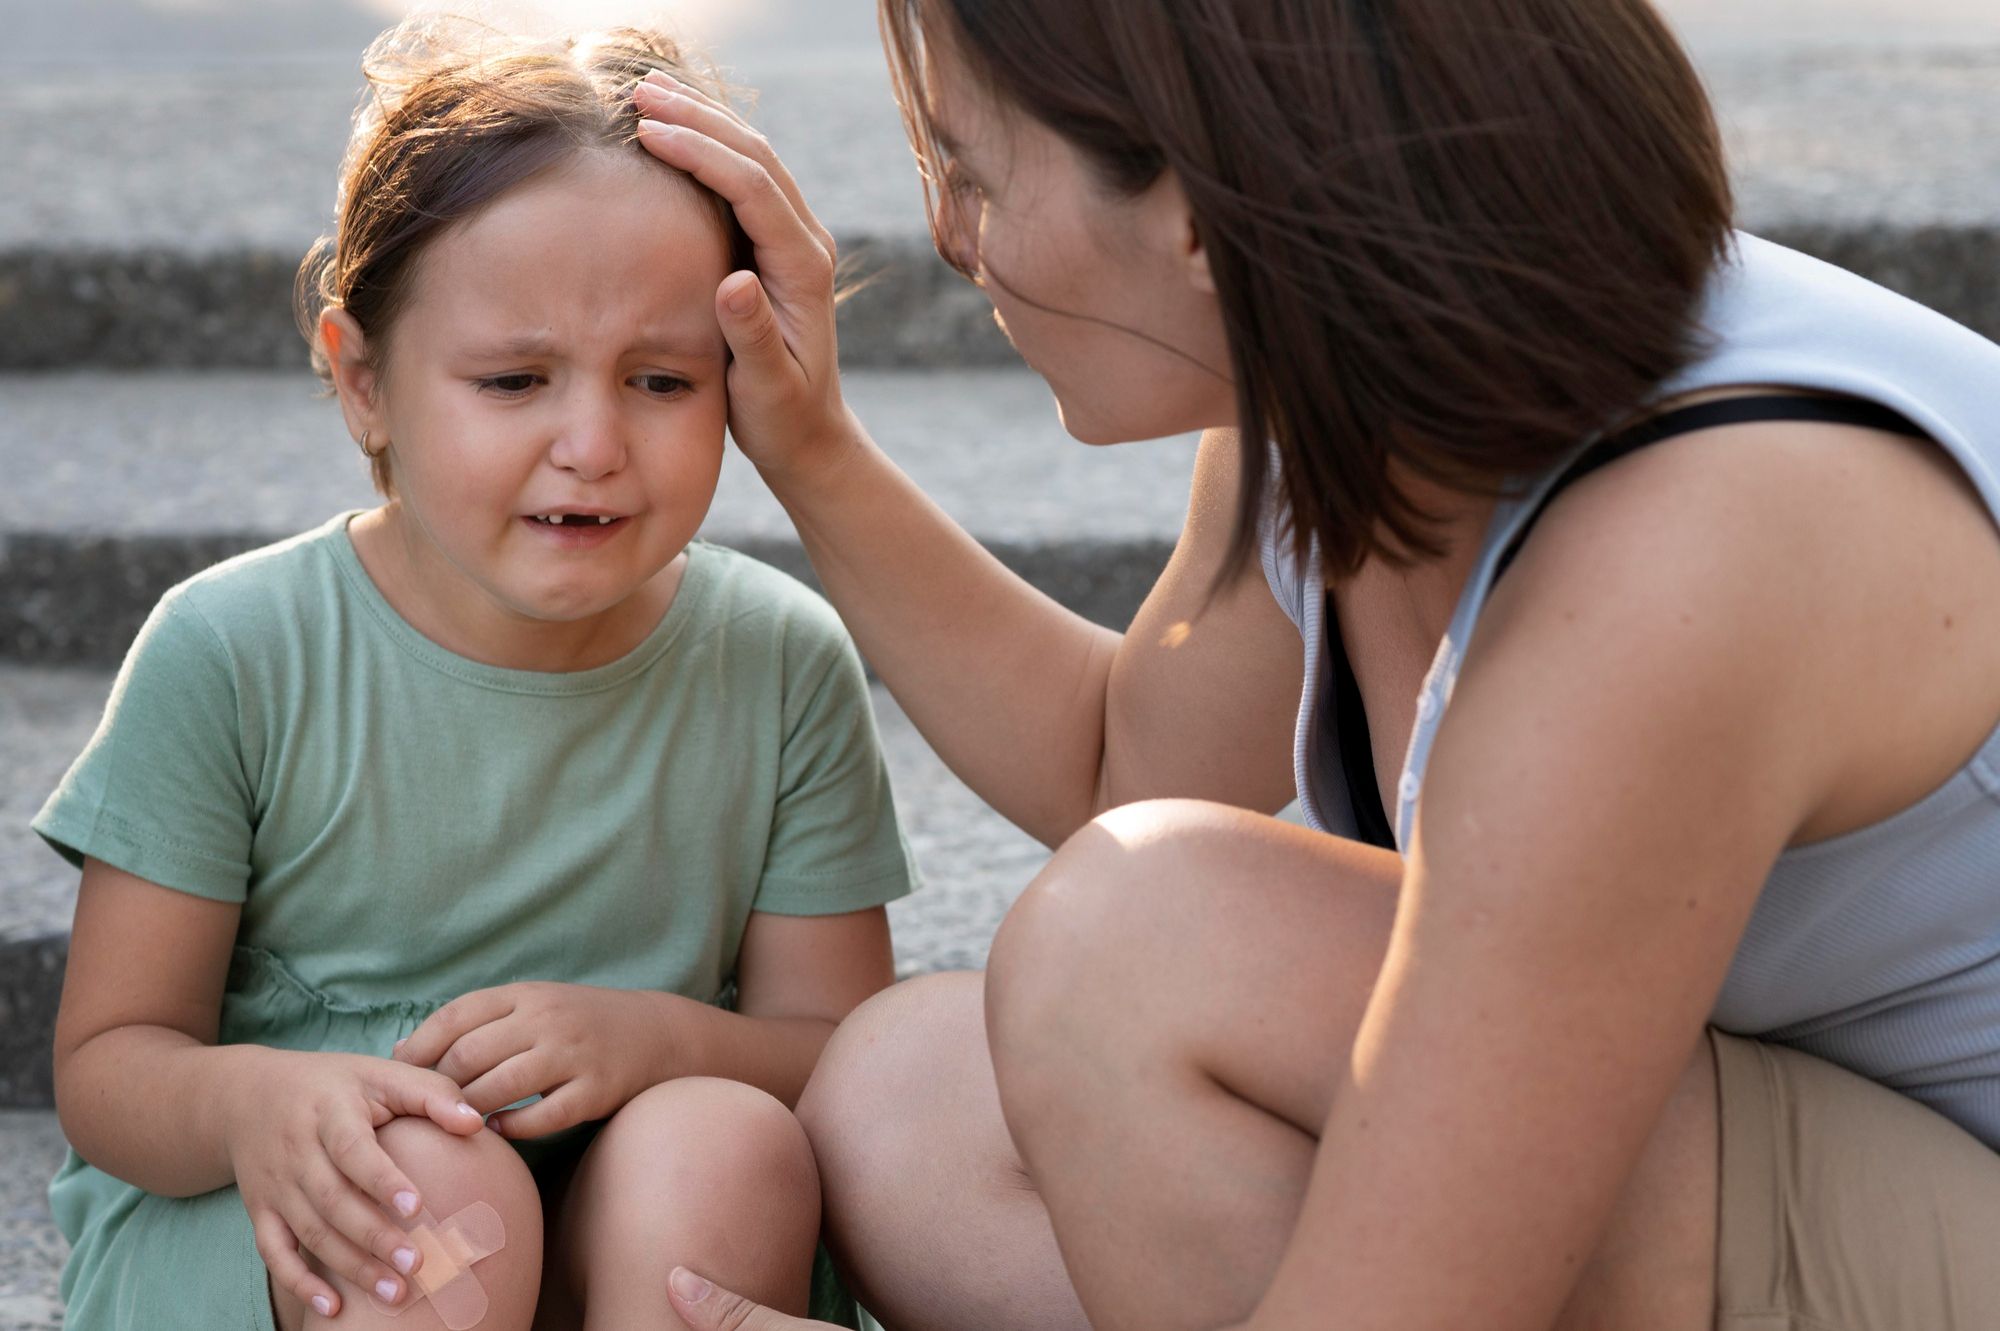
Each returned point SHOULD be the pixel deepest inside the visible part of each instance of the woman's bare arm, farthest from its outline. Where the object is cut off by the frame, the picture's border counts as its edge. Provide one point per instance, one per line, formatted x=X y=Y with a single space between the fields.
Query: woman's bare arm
x=1050 y=718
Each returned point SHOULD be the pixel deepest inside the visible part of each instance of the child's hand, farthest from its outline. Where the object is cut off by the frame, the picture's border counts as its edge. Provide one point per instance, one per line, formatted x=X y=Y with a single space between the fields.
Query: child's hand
x=311 y=1173
x=584 y=1050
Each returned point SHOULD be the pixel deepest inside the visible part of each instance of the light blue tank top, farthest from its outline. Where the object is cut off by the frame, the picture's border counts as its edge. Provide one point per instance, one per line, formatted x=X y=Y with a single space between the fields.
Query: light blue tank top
x=1878 y=950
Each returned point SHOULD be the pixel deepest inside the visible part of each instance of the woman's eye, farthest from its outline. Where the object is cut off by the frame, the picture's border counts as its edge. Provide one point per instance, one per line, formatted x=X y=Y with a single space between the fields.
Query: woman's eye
x=663 y=385
x=508 y=385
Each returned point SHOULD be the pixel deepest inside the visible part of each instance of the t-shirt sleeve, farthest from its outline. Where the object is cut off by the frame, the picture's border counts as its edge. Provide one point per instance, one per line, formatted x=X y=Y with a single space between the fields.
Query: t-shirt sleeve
x=161 y=791
x=835 y=844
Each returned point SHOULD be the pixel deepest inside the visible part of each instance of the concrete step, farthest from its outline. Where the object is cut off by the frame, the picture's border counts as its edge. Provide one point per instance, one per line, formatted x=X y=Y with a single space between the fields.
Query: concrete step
x=173 y=240
x=31 y=1251
x=974 y=862
x=123 y=484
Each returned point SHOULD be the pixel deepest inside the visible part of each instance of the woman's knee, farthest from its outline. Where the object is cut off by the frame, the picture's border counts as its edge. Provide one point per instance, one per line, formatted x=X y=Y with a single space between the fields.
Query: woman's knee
x=897 y=1073
x=1099 y=908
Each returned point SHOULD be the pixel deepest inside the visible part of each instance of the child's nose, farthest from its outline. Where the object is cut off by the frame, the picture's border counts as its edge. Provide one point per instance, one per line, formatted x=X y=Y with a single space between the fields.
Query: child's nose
x=591 y=442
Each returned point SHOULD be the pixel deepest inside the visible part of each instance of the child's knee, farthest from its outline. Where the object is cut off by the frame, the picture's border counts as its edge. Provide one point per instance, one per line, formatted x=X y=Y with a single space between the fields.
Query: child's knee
x=452 y=1173
x=709 y=1138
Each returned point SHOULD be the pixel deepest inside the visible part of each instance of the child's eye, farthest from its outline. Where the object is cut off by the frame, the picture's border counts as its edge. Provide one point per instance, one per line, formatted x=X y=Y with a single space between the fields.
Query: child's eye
x=507 y=385
x=663 y=385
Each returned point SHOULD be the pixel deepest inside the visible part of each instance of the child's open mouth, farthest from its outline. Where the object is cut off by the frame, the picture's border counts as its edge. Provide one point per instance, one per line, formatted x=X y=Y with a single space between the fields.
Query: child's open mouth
x=576 y=530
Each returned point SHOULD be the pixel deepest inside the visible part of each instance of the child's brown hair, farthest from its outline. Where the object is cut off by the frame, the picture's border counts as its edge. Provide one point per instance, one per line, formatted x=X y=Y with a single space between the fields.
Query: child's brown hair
x=456 y=113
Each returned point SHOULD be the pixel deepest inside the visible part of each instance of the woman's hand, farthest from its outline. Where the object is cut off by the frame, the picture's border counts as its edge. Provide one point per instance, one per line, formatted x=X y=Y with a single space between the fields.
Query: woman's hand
x=583 y=1049
x=314 y=1179
x=785 y=407
x=706 y=1307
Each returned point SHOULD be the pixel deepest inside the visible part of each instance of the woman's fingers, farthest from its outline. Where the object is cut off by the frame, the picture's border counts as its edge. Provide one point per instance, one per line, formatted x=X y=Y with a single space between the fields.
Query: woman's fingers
x=787 y=249
x=707 y=1307
x=669 y=100
x=279 y=1248
x=750 y=326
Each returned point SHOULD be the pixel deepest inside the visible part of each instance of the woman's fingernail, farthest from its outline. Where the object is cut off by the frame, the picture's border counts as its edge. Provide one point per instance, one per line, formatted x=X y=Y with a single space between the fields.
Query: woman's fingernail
x=406 y=1203
x=743 y=299
x=659 y=78
x=690 y=1287
x=465 y=1110
x=322 y=1305
x=386 y=1290
x=404 y=1258
x=661 y=128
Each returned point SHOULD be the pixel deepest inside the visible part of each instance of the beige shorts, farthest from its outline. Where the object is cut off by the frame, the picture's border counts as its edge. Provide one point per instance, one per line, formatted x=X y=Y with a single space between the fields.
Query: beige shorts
x=1847 y=1206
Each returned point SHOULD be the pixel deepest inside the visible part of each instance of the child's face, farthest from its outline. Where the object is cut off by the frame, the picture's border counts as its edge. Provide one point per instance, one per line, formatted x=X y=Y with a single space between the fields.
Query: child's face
x=560 y=356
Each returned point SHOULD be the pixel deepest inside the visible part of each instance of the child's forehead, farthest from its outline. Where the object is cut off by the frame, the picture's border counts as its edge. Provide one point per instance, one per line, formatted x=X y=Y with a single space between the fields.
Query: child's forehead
x=599 y=234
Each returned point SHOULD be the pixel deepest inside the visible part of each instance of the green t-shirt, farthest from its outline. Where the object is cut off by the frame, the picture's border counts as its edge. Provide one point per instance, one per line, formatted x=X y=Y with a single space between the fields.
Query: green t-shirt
x=402 y=824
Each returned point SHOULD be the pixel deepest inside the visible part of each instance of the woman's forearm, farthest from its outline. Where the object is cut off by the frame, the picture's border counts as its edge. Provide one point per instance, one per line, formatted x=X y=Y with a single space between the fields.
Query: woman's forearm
x=1006 y=684
x=150 y=1105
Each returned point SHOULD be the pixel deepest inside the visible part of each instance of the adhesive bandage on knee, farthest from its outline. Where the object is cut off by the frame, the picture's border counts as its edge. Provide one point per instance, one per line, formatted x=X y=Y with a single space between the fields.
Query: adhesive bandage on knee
x=445 y=1276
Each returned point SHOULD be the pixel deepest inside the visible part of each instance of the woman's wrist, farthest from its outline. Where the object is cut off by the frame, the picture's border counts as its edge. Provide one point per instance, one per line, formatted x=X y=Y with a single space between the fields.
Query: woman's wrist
x=817 y=469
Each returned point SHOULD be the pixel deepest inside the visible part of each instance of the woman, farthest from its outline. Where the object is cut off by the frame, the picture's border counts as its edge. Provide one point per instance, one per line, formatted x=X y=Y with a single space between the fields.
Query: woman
x=1649 y=589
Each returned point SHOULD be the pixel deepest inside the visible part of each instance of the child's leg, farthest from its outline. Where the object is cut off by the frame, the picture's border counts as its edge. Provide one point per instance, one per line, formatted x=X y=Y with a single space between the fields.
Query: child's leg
x=451 y=1173
x=704 y=1173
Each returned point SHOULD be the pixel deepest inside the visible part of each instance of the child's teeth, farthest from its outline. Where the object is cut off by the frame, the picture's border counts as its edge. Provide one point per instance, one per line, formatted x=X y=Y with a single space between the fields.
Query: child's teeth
x=602 y=521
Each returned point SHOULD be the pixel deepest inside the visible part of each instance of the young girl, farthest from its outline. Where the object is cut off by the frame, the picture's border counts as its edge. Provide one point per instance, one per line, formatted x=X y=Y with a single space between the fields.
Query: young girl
x=509 y=740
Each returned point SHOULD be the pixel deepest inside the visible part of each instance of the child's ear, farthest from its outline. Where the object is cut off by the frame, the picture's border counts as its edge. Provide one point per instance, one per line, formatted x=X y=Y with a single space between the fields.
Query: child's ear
x=353 y=377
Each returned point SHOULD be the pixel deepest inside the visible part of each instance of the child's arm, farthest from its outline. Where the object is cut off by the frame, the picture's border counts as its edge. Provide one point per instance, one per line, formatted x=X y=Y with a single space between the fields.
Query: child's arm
x=145 y=1094
x=588 y=1050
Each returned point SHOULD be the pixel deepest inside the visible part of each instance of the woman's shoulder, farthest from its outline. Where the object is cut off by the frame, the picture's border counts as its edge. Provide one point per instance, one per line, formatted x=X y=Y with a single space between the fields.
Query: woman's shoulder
x=1850 y=574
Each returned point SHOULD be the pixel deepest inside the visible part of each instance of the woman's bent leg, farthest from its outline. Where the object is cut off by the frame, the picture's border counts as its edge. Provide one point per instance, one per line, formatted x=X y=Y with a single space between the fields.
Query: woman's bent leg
x=928 y=1212
x=1170 y=1005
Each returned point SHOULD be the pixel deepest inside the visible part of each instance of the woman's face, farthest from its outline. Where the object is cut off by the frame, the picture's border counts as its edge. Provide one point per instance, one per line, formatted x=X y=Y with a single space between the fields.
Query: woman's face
x=1106 y=296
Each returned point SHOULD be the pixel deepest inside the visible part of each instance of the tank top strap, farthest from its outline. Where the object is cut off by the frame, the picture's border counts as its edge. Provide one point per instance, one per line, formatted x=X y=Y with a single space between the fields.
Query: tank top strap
x=1708 y=416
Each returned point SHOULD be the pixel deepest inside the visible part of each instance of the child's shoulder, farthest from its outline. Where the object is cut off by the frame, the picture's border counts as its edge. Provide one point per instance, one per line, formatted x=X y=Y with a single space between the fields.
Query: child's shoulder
x=245 y=598
x=761 y=605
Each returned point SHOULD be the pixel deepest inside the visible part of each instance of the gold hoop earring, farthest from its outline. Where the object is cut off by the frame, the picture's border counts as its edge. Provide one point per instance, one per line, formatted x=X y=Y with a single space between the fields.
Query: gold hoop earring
x=364 y=446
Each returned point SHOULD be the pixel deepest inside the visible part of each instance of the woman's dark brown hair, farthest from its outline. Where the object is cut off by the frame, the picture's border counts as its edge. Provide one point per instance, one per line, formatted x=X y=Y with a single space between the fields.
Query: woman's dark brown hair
x=1452 y=238
x=455 y=114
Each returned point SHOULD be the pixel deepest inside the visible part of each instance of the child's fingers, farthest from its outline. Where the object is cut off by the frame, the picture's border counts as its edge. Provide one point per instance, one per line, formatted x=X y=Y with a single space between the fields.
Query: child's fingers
x=424 y=1046
x=355 y=1152
x=559 y=1109
x=279 y=1248
x=527 y=1073
x=377 y=1241
x=483 y=1048
x=317 y=1234
x=419 y=1093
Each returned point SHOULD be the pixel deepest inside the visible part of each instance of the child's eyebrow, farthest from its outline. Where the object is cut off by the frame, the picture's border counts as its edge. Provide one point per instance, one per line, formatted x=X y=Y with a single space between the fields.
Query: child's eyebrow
x=671 y=342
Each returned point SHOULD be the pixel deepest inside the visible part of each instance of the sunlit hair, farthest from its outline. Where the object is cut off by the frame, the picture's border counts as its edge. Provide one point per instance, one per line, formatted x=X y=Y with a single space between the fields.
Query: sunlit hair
x=1451 y=238
x=456 y=113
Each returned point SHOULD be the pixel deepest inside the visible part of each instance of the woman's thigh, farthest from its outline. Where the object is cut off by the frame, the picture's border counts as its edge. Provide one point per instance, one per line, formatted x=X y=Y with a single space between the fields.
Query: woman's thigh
x=1171 y=1005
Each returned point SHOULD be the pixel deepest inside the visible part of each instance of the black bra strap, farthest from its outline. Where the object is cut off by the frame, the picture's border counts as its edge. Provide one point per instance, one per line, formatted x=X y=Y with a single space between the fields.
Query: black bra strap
x=1707 y=416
